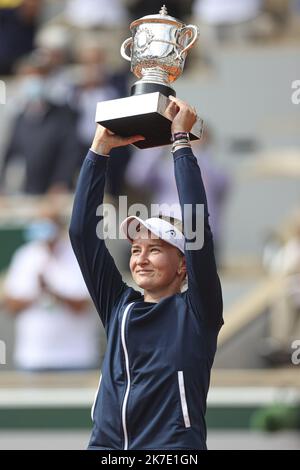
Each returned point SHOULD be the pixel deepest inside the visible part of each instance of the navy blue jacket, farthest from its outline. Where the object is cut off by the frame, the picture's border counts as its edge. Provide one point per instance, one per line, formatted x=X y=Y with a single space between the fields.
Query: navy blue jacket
x=156 y=370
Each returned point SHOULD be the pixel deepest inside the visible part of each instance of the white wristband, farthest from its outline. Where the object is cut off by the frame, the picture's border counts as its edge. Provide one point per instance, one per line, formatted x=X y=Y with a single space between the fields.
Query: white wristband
x=100 y=154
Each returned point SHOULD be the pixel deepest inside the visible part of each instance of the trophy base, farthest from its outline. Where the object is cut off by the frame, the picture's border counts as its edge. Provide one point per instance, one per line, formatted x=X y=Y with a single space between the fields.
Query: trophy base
x=141 y=88
x=145 y=115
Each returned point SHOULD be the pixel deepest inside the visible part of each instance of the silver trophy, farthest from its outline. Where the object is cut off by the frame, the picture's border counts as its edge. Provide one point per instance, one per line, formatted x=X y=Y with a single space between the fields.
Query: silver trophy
x=158 y=48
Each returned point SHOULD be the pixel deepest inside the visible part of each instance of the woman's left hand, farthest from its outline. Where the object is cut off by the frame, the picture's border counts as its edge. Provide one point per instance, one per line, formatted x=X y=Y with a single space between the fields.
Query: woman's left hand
x=106 y=140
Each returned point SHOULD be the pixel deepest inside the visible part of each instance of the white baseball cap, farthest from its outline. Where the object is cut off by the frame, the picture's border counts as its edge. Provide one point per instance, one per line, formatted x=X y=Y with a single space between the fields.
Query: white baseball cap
x=159 y=227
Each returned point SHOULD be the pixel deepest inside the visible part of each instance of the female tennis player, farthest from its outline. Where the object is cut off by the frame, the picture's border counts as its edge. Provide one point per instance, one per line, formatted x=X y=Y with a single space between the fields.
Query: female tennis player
x=161 y=342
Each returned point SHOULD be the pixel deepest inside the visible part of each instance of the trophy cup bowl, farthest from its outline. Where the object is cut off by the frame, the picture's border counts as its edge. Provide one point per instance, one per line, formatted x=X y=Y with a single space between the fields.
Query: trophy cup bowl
x=158 y=48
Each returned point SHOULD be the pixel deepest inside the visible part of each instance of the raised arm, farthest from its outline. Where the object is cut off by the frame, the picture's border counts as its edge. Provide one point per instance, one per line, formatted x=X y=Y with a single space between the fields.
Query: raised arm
x=204 y=289
x=100 y=273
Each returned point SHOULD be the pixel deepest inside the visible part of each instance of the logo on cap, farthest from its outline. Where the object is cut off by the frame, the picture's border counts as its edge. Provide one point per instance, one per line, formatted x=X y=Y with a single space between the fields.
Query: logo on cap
x=171 y=232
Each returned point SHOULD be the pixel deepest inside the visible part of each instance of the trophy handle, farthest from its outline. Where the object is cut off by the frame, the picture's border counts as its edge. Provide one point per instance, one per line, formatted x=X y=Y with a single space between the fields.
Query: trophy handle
x=124 y=46
x=193 y=32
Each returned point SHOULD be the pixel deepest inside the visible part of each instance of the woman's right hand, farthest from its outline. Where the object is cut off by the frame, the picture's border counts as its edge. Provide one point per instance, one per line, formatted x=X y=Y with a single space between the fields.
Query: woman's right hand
x=106 y=140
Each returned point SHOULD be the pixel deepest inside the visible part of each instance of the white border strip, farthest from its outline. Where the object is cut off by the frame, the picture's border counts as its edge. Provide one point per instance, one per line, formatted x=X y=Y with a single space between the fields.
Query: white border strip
x=252 y=396
x=72 y=397
x=49 y=398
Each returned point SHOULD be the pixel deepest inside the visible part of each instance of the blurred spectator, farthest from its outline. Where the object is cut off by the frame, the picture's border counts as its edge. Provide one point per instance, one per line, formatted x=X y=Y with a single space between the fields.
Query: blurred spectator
x=230 y=20
x=279 y=10
x=229 y=12
x=44 y=135
x=55 y=323
x=176 y=8
x=55 y=42
x=152 y=170
x=93 y=86
x=18 y=27
x=96 y=84
x=284 y=322
x=95 y=13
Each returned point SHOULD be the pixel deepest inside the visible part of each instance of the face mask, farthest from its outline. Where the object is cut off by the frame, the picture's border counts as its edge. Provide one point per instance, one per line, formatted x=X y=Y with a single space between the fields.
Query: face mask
x=42 y=230
x=33 y=89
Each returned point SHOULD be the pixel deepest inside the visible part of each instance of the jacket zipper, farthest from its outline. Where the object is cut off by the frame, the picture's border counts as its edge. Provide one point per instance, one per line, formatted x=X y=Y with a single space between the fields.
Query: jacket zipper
x=124 y=405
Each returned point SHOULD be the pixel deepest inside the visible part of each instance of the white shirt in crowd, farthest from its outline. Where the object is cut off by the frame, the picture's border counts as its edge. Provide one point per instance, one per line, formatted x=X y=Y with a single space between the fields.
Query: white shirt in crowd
x=92 y=13
x=48 y=333
x=227 y=11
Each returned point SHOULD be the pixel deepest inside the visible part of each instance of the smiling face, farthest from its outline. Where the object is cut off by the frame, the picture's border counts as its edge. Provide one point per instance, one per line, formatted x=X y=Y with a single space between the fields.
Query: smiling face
x=156 y=266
